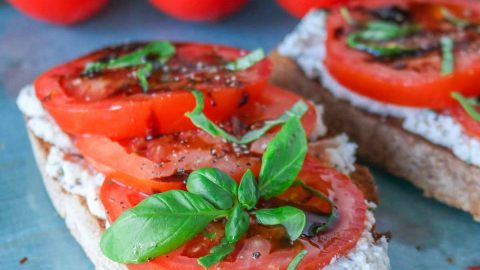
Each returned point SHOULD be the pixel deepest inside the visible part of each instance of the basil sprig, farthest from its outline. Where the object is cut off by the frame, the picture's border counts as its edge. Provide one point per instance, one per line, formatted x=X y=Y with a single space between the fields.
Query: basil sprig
x=246 y=61
x=368 y=38
x=165 y=221
x=470 y=105
x=448 y=61
x=200 y=120
x=161 y=51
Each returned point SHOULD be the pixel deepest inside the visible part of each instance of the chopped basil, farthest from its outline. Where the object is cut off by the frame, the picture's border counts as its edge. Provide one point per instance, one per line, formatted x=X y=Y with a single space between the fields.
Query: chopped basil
x=458 y=22
x=161 y=50
x=296 y=261
x=448 y=61
x=200 y=120
x=347 y=16
x=470 y=105
x=246 y=61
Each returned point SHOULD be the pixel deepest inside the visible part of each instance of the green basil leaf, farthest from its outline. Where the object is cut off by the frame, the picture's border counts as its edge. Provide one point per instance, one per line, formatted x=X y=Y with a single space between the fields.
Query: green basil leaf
x=296 y=261
x=217 y=253
x=247 y=191
x=246 y=61
x=448 y=62
x=159 y=224
x=163 y=50
x=458 y=22
x=468 y=105
x=293 y=219
x=213 y=185
x=283 y=159
x=318 y=228
x=237 y=224
x=199 y=119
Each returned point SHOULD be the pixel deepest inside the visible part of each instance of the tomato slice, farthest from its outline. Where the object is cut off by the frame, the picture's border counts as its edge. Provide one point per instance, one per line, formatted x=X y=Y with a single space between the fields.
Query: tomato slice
x=470 y=125
x=264 y=247
x=161 y=163
x=299 y=8
x=409 y=79
x=112 y=102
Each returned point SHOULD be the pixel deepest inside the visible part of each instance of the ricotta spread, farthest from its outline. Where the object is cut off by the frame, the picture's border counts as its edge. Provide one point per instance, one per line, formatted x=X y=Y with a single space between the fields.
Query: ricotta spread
x=368 y=254
x=306 y=44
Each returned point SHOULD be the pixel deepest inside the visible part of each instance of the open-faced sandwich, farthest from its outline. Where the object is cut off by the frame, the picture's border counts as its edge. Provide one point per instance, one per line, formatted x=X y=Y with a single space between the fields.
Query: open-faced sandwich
x=168 y=155
x=402 y=79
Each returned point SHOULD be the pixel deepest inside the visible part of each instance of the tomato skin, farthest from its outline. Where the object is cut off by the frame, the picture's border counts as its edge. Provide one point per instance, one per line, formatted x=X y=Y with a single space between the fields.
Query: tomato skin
x=298 y=8
x=199 y=11
x=59 y=11
x=140 y=114
x=428 y=89
x=337 y=241
x=470 y=125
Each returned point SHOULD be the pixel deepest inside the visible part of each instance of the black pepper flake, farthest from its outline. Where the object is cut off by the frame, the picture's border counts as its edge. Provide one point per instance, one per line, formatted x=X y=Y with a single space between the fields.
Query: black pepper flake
x=23 y=260
x=256 y=255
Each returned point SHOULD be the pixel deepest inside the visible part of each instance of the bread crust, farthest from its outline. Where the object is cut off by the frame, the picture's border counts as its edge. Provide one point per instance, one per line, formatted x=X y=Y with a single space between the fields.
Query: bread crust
x=384 y=143
x=85 y=228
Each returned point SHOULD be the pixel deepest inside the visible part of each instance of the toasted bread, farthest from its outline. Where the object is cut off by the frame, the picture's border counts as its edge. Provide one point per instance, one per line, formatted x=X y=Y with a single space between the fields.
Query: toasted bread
x=384 y=143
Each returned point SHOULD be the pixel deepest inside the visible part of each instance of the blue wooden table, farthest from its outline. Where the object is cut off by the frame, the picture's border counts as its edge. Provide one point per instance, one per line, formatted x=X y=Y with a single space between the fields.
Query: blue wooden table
x=426 y=234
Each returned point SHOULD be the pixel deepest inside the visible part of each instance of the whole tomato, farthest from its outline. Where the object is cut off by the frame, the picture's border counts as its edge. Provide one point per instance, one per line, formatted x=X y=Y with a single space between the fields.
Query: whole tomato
x=59 y=11
x=199 y=10
x=299 y=8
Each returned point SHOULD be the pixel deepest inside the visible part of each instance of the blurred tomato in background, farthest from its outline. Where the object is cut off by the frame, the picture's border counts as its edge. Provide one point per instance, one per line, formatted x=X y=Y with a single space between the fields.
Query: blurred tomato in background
x=59 y=11
x=199 y=10
x=299 y=8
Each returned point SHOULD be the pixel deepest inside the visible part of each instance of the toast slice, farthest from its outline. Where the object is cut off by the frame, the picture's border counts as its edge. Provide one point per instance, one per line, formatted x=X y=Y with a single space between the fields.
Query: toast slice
x=384 y=143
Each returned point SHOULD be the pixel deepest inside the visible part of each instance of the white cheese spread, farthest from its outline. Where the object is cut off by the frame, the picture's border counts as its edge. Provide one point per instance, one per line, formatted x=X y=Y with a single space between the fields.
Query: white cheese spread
x=368 y=254
x=306 y=44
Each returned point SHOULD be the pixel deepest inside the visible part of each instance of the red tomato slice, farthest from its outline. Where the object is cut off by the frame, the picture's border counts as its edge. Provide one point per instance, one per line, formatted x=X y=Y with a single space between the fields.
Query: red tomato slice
x=267 y=242
x=414 y=80
x=112 y=103
x=470 y=125
x=199 y=11
x=59 y=11
x=299 y=8
x=160 y=164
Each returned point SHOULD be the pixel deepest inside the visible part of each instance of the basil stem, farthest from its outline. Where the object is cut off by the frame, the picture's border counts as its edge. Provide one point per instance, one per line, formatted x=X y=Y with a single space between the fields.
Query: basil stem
x=246 y=61
x=333 y=214
x=448 y=61
x=200 y=120
x=468 y=105
x=347 y=16
x=458 y=22
x=296 y=261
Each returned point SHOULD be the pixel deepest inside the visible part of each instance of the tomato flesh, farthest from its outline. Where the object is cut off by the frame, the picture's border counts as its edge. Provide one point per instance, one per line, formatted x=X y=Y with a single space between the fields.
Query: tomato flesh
x=159 y=164
x=409 y=80
x=264 y=247
x=111 y=102
x=299 y=8
x=470 y=125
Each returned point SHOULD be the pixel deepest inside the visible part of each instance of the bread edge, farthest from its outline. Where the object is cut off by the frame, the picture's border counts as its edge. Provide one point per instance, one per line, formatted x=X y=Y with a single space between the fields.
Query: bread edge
x=432 y=168
x=85 y=228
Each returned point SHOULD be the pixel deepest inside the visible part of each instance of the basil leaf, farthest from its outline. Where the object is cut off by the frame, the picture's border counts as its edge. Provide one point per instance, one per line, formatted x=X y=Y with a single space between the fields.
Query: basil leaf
x=293 y=219
x=159 y=224
x=247 y=191
x=199 y=119
x=296 y=261
x=246 y=61
x=213 y=185
x=347 y=16
x=282 y=159
x=458 y=22
x=237 y=224
x=318 y=228
x=448 y=62
x=163 y=50
x=217 y=253
x=468 y=105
